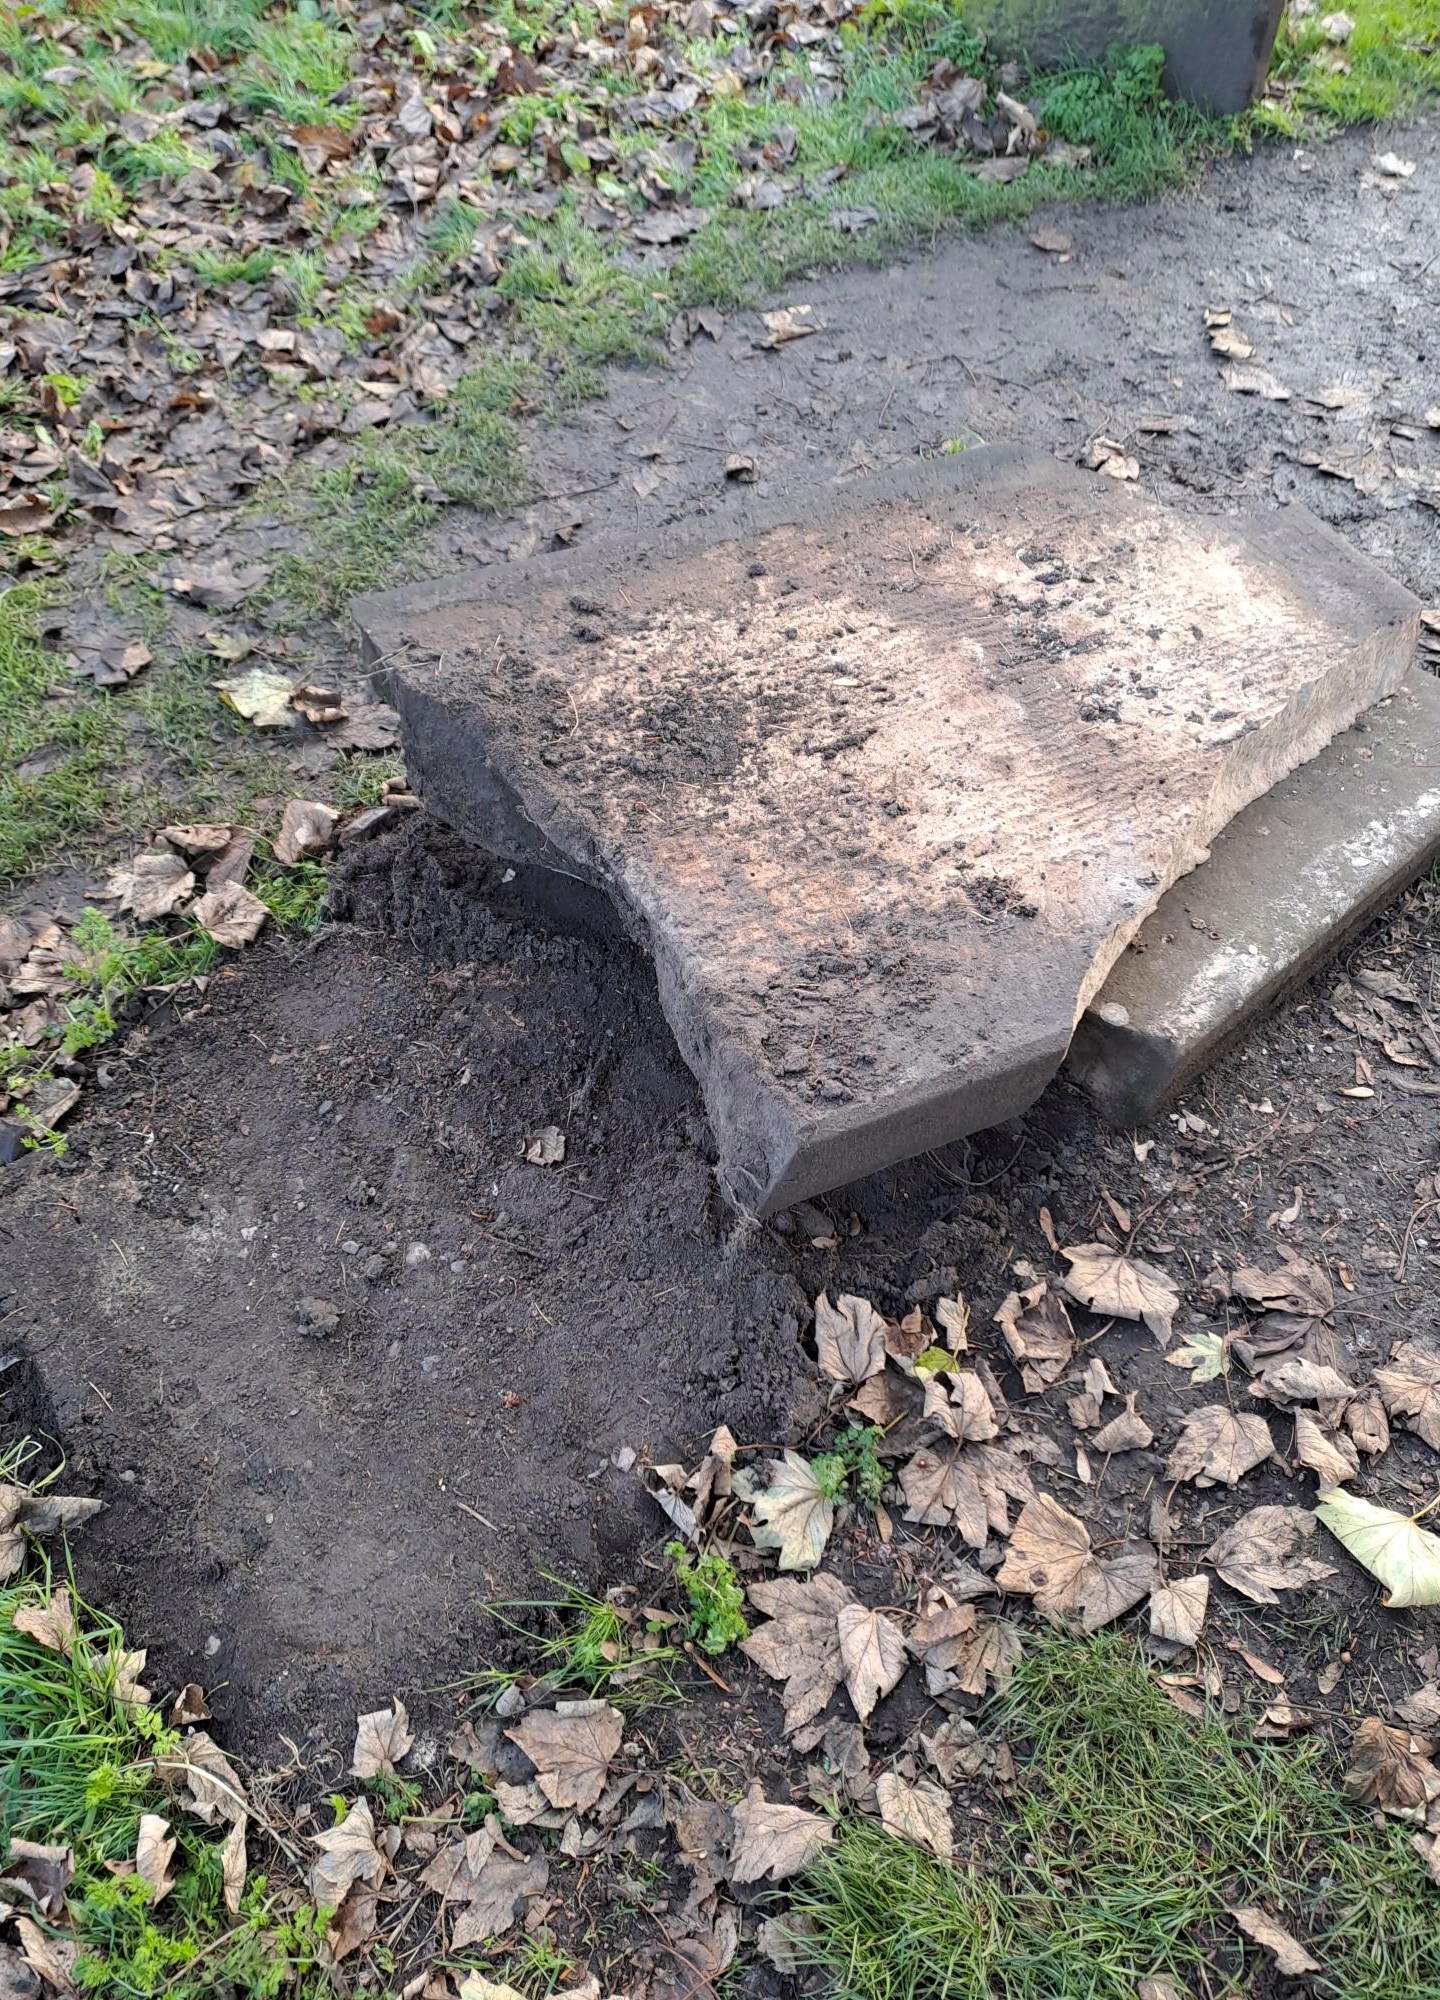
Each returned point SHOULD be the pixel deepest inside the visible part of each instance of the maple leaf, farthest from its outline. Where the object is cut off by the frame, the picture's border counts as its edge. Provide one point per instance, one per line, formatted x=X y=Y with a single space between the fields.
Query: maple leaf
x=1123 y=1287
x=1216 y=1444
x=795 y=1515
x=773 y=1842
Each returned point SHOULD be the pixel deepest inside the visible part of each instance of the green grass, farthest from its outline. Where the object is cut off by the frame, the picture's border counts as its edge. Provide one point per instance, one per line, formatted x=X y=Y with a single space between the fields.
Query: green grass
x=75 y=744
x=1134 y=1831
x=584 y=1644
x=78 y=1768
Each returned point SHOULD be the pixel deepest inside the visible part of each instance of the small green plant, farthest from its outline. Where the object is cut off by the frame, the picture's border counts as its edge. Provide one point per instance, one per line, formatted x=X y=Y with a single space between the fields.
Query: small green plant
x=853 y=1464
x=399 y=1796
x=294 y=896
x=536 y=1966
x=715 y=1596
x=595 y=1647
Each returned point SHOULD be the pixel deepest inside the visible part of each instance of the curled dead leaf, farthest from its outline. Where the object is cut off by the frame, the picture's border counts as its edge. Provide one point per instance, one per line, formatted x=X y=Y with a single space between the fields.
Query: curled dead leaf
x=382 y=1740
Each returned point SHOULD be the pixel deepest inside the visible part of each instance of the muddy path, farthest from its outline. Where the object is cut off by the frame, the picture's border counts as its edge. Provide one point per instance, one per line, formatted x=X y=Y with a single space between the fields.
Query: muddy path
x=1328 y=267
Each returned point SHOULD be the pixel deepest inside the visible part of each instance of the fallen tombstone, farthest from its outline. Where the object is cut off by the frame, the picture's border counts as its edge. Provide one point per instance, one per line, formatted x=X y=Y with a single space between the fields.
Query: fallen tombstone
x=885 y=776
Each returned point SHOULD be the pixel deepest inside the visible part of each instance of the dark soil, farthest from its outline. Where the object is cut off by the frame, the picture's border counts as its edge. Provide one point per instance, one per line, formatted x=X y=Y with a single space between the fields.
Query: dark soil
x=326 y=1447
x=291 y=1499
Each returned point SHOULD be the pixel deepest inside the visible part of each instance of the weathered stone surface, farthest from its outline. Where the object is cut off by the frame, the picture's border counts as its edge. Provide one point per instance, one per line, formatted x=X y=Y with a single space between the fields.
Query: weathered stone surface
x=1287 y=882
x=886 y=776
x=1217 y=52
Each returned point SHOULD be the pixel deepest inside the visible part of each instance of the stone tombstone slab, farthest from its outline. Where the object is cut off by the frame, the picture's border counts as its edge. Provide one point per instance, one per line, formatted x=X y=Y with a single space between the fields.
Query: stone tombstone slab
x=884 y=776
x=1217 y=52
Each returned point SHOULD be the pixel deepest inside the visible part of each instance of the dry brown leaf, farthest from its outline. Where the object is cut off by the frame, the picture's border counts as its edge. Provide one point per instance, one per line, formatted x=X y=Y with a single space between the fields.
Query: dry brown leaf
x=230 y=914
x=1177 y=1610
x=382 y=1739
x=306 y=829
x=1290 y=1956
x=52 y=1956
x=957 y=1402
x=349 y=1853
x=872 y=1655
x=1249 y=378
x=850 y=1338
x=572 y=1747
x=1050 y=1559
x=39 y=1872
x=1367 y=1423
x=154 y=1851
x=1038 y=1334
x=1127 y=1432
x=1104 y=454
x=233 y=1865
x=1259 y=1553
x=213 y=1789
x=197 y=841
x=355 y=1923
x=498 y=1896
x=1218 y=1445
x=545 y=1148
x=51 y=1624
x=1297 y=1379
x=155 y=883
x=189 y=1707
x=801 y=1642
x=454 y=1872
x=1123 y=1287
x=942 y=1491
x=966 y=1487
x=1334 y=1459
x=918 y=1811
x=793 y=1515
x=773 y=1842
x=1392 y=1769
x=789 y=323
x=1409 y=1386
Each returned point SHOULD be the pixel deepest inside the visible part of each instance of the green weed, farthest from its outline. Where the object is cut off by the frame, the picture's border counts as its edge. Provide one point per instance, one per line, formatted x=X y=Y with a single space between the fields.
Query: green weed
x=79 y=1765
x=715 y=1596
x=853 y=1463
x=1135 y=1832
x=586 y=1643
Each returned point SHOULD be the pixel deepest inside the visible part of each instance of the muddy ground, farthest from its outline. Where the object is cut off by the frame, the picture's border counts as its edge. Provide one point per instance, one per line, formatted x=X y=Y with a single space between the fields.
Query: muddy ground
x=348 y=1367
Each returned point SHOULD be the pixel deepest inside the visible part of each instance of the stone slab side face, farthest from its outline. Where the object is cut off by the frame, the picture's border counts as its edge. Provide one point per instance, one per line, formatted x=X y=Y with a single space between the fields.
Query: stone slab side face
x=1217 y=52
x=886 y=777
x=1287 y=882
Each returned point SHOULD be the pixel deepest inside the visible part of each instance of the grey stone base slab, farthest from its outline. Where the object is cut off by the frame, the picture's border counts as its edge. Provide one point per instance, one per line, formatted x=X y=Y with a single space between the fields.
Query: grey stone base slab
x=1287 y=882
x=886 y=775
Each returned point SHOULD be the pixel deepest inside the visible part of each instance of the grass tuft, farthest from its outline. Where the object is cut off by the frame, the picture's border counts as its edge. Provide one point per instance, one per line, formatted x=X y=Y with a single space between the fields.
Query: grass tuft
x=1134 y=1833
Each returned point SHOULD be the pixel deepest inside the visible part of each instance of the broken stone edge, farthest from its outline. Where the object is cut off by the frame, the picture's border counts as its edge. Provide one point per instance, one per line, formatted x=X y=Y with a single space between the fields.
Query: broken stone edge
x=1289 y=881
